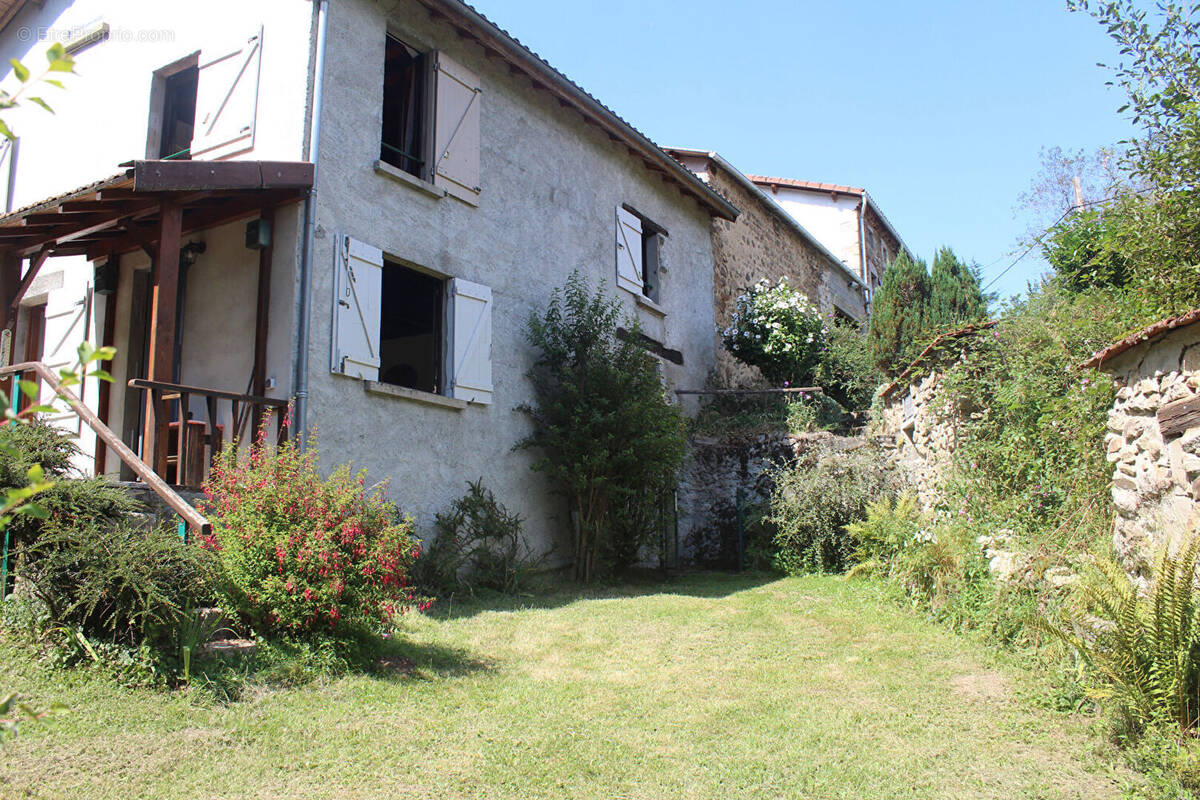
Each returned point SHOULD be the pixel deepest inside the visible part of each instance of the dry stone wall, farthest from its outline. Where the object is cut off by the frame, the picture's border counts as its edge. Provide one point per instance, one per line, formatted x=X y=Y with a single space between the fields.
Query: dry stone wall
x=718 y=469
x=923 y=426
x=1156 y=465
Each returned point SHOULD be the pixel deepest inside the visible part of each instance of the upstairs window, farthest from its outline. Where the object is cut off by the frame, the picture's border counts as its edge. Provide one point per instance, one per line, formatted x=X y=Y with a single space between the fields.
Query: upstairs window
x=406 y=78
x=179 y=114
x=640 y=255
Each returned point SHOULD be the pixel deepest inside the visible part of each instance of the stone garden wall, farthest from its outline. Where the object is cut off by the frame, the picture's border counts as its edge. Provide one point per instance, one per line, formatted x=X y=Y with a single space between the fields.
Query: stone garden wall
x=1153 y=439
x=716 y=468
x=924 y=430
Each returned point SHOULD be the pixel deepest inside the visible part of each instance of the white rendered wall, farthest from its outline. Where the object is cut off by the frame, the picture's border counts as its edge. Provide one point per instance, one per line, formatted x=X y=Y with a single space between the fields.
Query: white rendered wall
x=833 y=222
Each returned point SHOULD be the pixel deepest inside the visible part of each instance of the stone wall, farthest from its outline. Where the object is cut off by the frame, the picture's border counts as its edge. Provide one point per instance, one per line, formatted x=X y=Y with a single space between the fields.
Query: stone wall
x=924 y=428
x=881 y=245
x=716 y=469
x=1156 y=477
x=761 y=244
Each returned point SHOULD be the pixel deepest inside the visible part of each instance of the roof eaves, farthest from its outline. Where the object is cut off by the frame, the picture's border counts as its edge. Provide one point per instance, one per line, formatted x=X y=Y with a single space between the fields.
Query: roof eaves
x=1161 y=327
x=966 y=330
x=748 y=183
x=495 y=39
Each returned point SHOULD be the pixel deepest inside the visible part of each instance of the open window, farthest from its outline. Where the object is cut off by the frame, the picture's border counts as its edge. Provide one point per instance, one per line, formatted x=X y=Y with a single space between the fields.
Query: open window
x=411 y=336
x=406 y=114
x=402 y=326
x=431 y=113
x=641 y=255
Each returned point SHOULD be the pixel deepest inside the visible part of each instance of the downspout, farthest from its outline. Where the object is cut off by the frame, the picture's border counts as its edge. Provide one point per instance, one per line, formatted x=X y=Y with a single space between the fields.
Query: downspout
x=862 y=251
x=300 y=356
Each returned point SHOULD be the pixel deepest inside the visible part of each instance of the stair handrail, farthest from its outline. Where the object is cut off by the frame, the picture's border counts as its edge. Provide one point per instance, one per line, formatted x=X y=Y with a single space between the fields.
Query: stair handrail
x=194 y=519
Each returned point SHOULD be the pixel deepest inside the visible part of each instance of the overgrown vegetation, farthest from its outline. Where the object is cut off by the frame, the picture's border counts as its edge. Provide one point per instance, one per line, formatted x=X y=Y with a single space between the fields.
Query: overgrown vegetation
x=777 y=329
x=911 y=306
x=302 y=553
x=606 y=436
x=813 y=501
x=478 y=544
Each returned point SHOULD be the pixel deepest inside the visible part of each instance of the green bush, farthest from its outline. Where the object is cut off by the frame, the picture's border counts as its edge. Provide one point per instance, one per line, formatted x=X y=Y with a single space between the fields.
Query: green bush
x=72 y=502
x=1142 y=646
x=478 y=544
x=1082 y=251
x=301 y=553
x=777 y=329
x=813 y=501
x=889 y=527
x=118 y=583
x=847 y=371
x=609 y=439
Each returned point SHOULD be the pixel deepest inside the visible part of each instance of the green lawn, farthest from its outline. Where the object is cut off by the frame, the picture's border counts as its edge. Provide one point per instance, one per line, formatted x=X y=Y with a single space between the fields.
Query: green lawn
x=709 y=687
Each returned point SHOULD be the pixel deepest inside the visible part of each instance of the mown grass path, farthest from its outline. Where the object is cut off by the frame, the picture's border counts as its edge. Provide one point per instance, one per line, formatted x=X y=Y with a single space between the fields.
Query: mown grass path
x=709 y=687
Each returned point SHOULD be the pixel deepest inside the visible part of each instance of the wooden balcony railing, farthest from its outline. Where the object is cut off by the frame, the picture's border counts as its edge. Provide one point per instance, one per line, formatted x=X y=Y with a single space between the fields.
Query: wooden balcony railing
x=179 y=441
x=191 y=517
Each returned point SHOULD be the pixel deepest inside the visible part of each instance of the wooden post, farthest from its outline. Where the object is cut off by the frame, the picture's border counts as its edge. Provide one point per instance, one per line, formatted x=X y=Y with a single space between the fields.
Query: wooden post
x=163 y=301
x=262 y=314
x=104 y=401
x=10 y=284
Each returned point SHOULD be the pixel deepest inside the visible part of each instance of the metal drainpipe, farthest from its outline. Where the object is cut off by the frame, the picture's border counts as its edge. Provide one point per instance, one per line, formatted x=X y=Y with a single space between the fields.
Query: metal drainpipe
x=300 y=356
x=862 y=250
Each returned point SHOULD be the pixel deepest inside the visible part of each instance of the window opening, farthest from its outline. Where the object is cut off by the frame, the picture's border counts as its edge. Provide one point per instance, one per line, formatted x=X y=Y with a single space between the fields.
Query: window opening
x=179 y=114
x=411 y=328
x=405 y=97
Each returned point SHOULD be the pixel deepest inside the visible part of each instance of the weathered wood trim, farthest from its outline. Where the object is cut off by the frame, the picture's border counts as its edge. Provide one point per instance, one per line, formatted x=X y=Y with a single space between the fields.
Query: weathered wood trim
x=1175 y=418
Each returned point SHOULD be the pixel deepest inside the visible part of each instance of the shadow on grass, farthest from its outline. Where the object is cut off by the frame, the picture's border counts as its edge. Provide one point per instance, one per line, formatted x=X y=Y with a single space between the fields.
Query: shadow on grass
x=562 y=592
x=404 y=659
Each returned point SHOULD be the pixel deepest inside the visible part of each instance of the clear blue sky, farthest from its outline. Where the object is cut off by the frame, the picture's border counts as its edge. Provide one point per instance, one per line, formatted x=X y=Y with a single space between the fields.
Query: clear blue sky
x=938 y=107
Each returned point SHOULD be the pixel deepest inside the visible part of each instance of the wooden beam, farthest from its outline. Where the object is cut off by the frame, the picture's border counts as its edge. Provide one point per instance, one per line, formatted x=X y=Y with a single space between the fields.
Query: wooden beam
x=35 y=265
x=1176 y=418
x=262 y=314
x=164 y=298
x=10 y=283
x=107 y=339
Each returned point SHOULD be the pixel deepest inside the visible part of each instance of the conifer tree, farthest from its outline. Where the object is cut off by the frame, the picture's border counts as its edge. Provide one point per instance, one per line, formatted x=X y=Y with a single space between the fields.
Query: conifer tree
x=898 y=313
x=954 y=296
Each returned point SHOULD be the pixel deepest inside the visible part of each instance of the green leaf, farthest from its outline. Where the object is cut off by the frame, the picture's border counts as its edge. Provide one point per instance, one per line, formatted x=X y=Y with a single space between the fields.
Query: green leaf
x=53 y=82
x=59 y=60
x=41 y=103
x=35 y=473
x=29 y=388
x=19 y=69
x=6 y=132
x=34 y=510
x=42 y=409
x=85 y=351
x=101 y=374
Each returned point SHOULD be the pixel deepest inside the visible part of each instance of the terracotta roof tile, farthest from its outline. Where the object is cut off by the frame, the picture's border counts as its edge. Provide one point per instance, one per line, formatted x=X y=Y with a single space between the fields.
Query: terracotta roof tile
x=764 y=180
x=1144 y=335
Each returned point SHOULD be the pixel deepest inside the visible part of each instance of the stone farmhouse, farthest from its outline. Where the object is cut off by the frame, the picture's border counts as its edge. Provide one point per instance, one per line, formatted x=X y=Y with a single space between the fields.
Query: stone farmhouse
x=843 y=218
x=766 y=241
x=353 y=206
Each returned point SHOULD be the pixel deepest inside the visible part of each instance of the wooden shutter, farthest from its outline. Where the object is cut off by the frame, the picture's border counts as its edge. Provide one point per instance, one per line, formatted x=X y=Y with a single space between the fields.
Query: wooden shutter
x=358 y=284
x=227 y=99
x=456 y=130
x=629 y=251
x=471 y=334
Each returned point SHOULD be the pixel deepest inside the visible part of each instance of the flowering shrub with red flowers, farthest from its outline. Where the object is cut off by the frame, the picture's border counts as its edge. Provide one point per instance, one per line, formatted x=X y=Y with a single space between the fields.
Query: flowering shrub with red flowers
x=302 y=553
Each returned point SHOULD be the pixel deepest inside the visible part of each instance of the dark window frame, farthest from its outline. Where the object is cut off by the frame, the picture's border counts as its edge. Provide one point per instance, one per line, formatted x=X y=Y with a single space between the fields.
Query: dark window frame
x=406 y=135
x=403 y=283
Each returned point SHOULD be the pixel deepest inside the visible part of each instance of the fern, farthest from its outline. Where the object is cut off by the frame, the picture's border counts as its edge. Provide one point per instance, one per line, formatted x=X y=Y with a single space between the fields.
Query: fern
x=1142 y=647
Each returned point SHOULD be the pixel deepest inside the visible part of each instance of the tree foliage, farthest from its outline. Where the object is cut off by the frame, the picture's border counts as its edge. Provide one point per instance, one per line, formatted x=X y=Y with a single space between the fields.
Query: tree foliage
x=954 y=294
x=898 y=313
x=608 y=438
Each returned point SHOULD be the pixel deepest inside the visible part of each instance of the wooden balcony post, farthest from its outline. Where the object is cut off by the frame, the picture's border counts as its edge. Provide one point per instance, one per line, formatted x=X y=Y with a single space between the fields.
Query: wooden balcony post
x=108 y=339
x=262 y=314
x=164 y=299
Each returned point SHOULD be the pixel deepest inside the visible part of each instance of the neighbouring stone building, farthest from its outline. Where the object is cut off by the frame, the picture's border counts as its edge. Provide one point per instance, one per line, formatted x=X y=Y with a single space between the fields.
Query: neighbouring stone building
x=767 y=242
x=921 y=421
x=1153 y=437
x=846 y=219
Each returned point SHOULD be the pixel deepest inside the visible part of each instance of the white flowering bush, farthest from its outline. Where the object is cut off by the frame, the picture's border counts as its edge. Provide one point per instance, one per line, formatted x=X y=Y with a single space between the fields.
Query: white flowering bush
x=777 y=329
